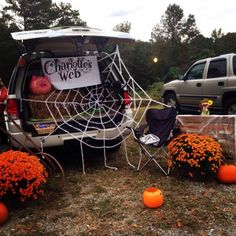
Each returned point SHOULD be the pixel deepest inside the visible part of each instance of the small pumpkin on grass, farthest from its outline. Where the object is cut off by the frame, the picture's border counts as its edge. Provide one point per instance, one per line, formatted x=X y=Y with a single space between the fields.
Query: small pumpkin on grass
x=227 y=174
x=153 y=197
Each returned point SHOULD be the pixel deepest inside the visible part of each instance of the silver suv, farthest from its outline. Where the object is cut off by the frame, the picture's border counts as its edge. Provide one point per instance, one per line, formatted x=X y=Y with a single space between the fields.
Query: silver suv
x=65 y=87
x=213 y=78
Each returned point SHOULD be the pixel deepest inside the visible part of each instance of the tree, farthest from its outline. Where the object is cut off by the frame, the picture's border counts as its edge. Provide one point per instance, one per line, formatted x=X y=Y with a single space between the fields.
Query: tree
x=8 y=53
x=66 y=16
x=225 y=44
x=31 y=14
x=173 y=27
x=139 y=60
x=40 y=14
x=189 y=29
x=201 y=47
x=216 y=34
x=171 y=39
x=123 y=27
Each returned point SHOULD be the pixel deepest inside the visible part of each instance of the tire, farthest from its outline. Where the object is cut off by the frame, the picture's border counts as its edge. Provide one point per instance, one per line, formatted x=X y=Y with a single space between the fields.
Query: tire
x=230 y=107
x=170 y=99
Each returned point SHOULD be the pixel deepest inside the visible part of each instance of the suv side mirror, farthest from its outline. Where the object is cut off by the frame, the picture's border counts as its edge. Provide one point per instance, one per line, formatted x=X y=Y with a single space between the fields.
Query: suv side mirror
x=181 y=77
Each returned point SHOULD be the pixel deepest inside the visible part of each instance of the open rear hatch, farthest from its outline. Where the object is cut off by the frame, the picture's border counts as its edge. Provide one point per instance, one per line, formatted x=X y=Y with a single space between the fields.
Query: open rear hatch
x=66 y=84
x=72 y=40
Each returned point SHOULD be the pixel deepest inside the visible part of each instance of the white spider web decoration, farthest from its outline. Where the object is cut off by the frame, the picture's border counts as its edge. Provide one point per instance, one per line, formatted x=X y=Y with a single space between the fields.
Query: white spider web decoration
x=98 y=116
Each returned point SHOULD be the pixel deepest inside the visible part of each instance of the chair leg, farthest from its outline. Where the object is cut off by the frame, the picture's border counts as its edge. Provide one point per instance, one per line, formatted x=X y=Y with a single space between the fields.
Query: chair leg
x=145 y=163
x=166 y=173
x=145 y=152
x=140 y=158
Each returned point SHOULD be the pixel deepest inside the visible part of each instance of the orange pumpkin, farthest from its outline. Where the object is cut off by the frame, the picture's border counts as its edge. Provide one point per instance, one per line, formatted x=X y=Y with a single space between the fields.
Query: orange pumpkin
x=152 y=197
x=3 y=213
x=227 y=174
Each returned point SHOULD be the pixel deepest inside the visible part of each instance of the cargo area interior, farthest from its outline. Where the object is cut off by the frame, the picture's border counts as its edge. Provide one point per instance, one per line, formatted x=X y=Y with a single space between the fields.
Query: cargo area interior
x=98 y=106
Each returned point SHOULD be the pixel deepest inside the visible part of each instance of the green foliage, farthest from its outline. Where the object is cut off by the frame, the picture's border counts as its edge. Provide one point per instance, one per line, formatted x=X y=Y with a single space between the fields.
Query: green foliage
x=123 y=27
x=225 y=44
x=171 y=38
x=216 y=34
x=174 y=27
x=8 y=52
x=139 y=60
x=201 y=47
x=40 y=14
x=172 y=74
x=31 y=14
x=154 y=90
x=66 y=16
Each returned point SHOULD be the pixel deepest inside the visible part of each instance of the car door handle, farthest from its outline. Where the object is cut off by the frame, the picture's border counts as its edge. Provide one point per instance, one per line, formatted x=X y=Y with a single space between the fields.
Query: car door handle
x=199 y=84
x=221 y=83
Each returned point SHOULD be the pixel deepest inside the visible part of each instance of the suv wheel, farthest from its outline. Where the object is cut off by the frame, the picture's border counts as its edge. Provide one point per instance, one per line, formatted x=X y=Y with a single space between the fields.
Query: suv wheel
x=230 y=107
x=170 y=99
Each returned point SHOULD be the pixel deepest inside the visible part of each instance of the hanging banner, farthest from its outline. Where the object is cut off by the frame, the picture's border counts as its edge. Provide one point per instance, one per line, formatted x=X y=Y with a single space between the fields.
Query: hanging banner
x=71 y=72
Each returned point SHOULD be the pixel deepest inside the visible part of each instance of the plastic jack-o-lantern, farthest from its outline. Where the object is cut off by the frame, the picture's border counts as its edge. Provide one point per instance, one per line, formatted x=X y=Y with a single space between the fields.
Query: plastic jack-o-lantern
x=40 y=85
x=227 y=174
x=3 y=213
x=153 y=197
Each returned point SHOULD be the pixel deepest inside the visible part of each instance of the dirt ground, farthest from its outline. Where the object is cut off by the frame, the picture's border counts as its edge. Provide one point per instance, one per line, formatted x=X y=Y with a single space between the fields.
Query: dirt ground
x=109 y=202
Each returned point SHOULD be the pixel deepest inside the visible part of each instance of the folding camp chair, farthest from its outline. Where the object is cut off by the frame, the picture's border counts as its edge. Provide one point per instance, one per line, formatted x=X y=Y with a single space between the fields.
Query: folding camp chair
x=160 y=127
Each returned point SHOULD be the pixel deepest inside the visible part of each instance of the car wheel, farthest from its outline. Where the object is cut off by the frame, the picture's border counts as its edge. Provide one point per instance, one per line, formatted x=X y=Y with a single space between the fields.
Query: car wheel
x=230 y=107
x=170 y=99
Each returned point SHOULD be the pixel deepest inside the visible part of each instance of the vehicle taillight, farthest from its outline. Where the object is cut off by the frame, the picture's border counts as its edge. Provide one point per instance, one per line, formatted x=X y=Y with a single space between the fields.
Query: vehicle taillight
x=127 y=99
x=21 y=62
x=12 y=107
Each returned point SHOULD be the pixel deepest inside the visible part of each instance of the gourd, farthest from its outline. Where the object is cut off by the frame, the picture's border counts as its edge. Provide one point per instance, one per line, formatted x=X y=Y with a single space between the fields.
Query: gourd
x=3 y=213
x=153 y=197
x=227 y=174
x=40 y=85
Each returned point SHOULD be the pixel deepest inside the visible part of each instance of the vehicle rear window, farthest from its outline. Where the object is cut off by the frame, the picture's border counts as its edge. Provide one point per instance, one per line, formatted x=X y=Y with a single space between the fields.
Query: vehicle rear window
x=234 y=64
x=217 y=68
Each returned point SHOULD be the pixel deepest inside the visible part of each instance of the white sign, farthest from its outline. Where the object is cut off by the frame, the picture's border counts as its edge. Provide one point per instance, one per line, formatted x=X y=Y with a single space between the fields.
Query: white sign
x=71 y=72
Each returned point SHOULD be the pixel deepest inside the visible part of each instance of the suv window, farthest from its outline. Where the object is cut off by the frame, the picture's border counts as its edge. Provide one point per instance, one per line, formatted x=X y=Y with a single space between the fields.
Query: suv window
x=196 y=72
x=234 y=64
x=217 y=68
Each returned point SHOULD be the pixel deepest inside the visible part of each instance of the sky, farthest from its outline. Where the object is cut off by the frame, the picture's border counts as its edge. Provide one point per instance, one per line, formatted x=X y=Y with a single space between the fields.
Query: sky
x=145 y=14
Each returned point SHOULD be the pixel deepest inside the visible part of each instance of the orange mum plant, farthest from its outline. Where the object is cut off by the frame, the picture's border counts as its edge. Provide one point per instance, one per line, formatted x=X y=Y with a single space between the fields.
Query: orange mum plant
x=22 y=175
x=196 y=155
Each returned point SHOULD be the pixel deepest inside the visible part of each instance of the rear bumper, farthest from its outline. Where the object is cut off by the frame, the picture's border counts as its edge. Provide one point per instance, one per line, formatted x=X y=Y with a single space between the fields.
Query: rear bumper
x=26 y=139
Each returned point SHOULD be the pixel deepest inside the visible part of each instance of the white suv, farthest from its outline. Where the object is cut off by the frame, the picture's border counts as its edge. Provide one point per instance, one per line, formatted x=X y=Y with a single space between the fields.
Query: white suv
x=64 y=88
x=213 y=78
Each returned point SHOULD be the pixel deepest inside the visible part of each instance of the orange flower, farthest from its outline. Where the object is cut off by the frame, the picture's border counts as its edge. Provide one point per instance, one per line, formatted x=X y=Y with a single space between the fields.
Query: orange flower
x=21 y=174
x=194 y=152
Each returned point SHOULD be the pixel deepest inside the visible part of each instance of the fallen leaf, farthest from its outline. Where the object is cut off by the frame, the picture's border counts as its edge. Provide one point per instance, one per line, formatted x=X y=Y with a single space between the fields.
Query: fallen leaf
x=233 y=210
x=179 y=223
x=205 y=194
x=135 y=225
x=193 y=211
x=203 y=233
x=195 y=197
